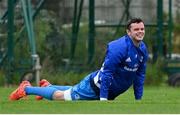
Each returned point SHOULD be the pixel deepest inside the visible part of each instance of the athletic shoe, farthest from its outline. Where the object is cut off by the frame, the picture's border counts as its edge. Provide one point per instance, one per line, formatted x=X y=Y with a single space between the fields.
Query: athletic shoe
x=42 y=83
x=20 y=91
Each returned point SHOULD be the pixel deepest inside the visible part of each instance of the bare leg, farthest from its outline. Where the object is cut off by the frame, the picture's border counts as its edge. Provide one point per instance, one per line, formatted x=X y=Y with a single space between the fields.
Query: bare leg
x=58 y=95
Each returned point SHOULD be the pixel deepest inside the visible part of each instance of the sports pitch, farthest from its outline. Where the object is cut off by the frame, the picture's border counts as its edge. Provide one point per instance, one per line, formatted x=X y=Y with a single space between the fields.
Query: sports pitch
x=156 y=100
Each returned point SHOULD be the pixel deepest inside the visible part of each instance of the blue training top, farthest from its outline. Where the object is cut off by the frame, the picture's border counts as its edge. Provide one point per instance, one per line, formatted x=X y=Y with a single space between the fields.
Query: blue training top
x=124 y=65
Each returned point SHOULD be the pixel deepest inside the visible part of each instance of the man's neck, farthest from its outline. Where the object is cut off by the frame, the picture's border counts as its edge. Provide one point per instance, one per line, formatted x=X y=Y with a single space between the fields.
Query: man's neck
x=135 y=42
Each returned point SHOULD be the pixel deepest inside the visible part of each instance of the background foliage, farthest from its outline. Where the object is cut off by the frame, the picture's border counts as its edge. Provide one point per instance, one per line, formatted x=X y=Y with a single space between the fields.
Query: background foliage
x=53 y=46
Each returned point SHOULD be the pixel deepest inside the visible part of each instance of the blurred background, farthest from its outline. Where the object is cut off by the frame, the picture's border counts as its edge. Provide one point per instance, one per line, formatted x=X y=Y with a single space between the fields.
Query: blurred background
x=64 y=40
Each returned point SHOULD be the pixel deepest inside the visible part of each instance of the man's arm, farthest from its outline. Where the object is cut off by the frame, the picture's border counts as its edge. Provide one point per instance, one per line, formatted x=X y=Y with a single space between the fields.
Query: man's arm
x=140 y=76
x=106 y=75
x=110 y=65
x=139 y=82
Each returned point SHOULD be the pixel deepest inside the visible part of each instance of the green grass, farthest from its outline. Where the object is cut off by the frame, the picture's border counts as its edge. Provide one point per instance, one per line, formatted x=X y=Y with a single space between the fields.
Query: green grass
x=164 y=99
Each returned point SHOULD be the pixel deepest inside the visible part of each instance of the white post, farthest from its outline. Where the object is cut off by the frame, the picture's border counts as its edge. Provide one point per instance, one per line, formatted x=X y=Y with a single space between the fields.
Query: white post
x=37 y=68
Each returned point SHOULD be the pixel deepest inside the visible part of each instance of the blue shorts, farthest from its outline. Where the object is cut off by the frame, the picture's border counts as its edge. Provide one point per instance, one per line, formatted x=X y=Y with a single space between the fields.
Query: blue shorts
x=81 y=91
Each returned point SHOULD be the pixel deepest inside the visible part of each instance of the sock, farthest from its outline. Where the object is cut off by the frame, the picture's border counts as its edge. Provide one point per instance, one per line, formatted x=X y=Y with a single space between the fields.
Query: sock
x=46 y=92
x=62 y=88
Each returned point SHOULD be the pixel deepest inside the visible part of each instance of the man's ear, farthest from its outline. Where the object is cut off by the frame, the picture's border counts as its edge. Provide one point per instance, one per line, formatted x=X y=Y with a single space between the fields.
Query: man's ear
x=127 y=31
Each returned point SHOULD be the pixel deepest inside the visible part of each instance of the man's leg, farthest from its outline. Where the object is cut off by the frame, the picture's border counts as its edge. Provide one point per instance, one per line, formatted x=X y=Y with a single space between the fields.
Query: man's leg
x=58 y=95
x=25 y=89
x=49 y=93
x=45 y=83
x=45 y=92
x=59 y=87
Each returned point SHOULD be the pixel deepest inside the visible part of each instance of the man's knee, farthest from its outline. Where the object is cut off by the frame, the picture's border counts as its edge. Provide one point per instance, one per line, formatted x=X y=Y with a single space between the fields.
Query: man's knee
x=58 y=95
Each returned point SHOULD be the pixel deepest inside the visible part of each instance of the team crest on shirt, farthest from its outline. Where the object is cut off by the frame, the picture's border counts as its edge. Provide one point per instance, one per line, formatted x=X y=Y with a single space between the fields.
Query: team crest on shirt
x=136 y=56
x=141 y=59
x=77 y=96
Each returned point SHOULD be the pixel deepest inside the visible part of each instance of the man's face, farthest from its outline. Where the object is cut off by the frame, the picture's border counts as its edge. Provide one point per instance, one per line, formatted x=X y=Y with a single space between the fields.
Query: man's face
x=137 y=31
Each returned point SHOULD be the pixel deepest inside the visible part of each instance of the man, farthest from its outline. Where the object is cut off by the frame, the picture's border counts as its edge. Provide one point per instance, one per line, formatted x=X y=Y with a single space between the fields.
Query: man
x=124 y=65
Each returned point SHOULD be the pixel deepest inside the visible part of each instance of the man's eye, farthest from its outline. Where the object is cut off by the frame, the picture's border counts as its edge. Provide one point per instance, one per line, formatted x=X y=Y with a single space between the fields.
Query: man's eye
x=136 y=29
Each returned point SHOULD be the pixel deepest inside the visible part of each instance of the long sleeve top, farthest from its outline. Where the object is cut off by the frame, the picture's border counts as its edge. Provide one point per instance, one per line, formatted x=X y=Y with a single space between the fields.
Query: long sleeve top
x=124 y=65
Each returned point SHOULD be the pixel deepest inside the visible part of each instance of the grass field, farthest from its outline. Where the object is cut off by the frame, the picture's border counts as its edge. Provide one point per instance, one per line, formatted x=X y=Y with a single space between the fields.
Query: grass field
x=164 y=99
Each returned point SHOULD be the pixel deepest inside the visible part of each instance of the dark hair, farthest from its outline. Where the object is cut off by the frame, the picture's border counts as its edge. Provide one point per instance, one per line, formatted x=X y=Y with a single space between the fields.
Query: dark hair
x=133 y=20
